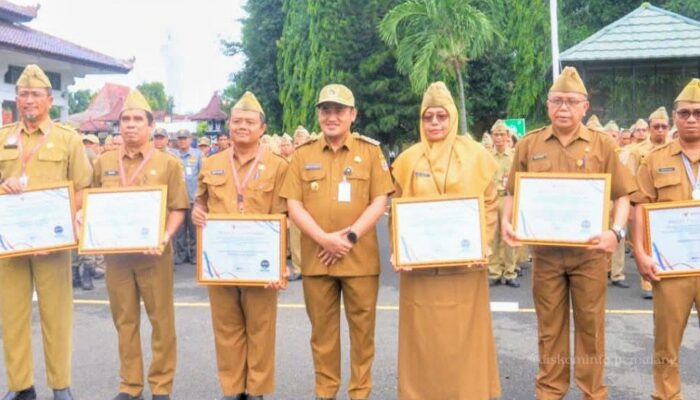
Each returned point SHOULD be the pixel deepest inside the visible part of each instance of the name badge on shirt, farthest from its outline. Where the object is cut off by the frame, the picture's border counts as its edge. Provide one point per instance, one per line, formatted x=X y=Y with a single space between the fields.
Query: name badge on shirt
x=111 y=172
x=420 y=174
x=217 y=172
x=344 y=194
x=666 y=170
x=537 y=157
x=10 y=146
x=312 y=167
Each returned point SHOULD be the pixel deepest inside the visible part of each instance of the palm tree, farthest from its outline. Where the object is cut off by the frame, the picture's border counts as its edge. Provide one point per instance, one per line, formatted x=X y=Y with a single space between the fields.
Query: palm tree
x=438 y=35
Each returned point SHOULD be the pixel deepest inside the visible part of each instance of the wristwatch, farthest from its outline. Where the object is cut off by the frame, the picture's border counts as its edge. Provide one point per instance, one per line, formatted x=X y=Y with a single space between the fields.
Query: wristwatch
x=352 y=237
x=619 y=232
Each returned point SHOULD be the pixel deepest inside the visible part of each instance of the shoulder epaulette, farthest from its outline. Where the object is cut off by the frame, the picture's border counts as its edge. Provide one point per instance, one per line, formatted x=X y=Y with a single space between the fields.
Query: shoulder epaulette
x=311 y=140
x=367 y=139
x=532 y=132
x=67 y=127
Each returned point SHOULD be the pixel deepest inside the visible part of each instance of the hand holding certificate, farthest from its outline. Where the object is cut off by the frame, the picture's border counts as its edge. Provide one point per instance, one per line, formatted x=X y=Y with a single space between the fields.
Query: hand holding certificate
x=672 y=237
x=37 y=220
x=438 y=232
x=242 y=250
x=560 y=209
x=123 y=220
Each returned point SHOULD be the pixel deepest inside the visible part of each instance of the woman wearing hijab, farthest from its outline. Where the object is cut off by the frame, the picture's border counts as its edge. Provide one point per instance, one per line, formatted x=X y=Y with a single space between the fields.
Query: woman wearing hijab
x=446 y=344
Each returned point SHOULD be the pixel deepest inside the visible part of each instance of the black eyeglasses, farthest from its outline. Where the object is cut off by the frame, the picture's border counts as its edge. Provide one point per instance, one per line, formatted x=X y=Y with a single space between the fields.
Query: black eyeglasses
x=685 y=114
x=558 y=102
x=659 y=127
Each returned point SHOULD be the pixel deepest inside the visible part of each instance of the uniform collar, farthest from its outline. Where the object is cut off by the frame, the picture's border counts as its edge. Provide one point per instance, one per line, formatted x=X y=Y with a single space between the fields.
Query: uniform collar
x=43 y=126
x=581 y=133
x=347 y=144
x=675 y=147
x=141 y=153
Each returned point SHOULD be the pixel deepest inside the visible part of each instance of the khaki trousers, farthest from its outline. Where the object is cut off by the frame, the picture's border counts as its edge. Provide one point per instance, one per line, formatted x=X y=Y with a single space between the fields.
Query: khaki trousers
x=322 y=298
x=617 y=267
x=673 y=302
x=502 y=262
x=130 y=279
x=564 y=276
x=295 y=247
x=244 y=321
x=51 y=276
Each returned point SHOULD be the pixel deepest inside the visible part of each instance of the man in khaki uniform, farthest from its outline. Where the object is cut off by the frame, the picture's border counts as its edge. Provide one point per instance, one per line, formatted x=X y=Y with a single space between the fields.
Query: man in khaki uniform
x=664 y=175
x=640 y=131
x=301 y=136
x=244 y=318
x=502 y=262
x=34 y=152
x=658 y=135
x=564 y=274
x=287 y=151
x=145 y=276
x=336 y=190
x=161 y=139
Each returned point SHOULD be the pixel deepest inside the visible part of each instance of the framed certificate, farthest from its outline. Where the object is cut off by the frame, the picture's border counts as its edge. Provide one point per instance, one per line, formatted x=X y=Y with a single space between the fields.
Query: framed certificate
x=431 y=232
x=123 y=220
x=560 y=209
x=242 y=250
x=672 y=237
x=37 y=220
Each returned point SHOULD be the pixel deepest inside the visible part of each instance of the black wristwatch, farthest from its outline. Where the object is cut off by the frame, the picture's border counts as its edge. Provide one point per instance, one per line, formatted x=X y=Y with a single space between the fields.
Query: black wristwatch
x=352 y=237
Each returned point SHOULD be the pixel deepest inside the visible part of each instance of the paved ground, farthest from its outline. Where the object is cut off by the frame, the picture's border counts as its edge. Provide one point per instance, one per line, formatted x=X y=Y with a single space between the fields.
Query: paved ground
x=95 y=366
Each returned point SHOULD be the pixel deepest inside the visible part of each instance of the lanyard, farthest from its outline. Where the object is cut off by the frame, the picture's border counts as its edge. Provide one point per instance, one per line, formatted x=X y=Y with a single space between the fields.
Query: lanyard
x=694 y=180
x=241 y=185
x=122 y=172
x=26 y=157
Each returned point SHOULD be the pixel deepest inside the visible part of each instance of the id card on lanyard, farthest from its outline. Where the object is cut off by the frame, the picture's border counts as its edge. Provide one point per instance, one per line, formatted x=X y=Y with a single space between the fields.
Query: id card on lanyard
x=26 y=157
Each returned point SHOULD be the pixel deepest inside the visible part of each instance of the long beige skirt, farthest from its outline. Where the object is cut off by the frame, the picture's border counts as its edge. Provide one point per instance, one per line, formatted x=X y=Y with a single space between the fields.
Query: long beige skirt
x=446 y=345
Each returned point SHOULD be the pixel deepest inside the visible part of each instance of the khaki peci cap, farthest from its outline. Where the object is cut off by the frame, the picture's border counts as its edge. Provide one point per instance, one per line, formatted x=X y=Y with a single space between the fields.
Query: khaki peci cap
x=691 y=92
x=594 y=123
x=248 y=102
x=136 y=101
x=499 y=124
x=33 y=77
x=569 y=81
x=660 y=113
x=92 y=138
x=336 y=93
x=204 y=142
x=160 y=132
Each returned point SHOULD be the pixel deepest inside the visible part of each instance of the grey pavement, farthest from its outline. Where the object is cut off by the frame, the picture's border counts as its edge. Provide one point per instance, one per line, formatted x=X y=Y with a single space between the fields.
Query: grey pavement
x=629 y=333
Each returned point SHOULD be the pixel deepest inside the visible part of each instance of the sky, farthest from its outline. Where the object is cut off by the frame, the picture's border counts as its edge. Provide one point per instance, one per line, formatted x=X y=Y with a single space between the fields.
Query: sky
x=176 y=42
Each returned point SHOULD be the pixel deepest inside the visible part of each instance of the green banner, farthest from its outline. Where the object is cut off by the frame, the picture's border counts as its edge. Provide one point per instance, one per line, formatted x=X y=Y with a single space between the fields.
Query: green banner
x=517 y=125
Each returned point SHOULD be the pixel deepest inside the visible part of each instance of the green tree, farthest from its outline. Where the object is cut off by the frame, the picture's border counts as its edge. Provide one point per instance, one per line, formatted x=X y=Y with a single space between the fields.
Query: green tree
x=79 y=101
x=434 y=35
x=261 y=30
x=154 y=92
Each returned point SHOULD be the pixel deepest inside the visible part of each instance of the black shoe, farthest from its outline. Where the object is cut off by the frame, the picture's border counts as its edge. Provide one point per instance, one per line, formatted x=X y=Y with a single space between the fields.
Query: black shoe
x=127 y=396
x=254 y=397
x=621 y=284
x=62 y=394
x=519 y=272
x=240 y=396
x=294 y=276
x=87 y=279
x=647 y=295
x=26 y=394
x=161 y=397
x=513 y=283
x=494 y=282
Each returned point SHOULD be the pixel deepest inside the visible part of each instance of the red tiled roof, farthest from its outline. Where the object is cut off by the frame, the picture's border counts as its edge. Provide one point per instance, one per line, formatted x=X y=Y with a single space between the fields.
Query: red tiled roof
x=16 y=13
x=92 y=126
x=105 y=106
x=115 y=112
x=211 y=111
x=21 y=38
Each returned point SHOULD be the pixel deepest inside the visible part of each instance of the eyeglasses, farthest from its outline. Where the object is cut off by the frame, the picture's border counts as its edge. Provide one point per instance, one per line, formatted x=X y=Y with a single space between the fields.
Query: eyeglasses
x=685 y=113
x=428 y=118
x=659 y=127
x=570 y=103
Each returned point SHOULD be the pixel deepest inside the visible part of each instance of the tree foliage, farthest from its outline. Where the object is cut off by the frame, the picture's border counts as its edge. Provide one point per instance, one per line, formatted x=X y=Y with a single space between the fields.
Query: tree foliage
x=154 y=92
x=79 y=100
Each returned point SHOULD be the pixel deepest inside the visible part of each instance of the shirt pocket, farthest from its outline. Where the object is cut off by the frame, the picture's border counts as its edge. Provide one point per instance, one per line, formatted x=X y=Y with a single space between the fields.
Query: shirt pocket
x=51 y=164
x=216 y=187
x=313 y=183
x=539 y=166
x=9 y=155
x=259 y=195
x=359 y=184
x=594 y=164
x=668 y=187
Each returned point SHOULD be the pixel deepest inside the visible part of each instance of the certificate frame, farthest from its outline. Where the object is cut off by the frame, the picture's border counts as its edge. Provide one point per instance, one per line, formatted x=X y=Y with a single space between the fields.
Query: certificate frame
x=71 y=199
x=649 y=208
x=122 y=250
x=280 y=218
x=437 y=263
x=605 y=214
